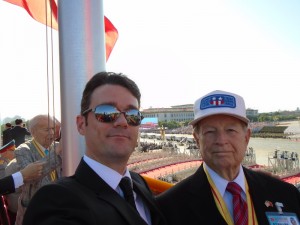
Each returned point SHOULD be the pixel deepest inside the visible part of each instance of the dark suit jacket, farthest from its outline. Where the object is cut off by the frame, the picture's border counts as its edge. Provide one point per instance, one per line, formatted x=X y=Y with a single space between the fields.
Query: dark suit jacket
x=191 y=200
x=85 y=198
x=7 y=185
x=6 y=136
x=18 y=134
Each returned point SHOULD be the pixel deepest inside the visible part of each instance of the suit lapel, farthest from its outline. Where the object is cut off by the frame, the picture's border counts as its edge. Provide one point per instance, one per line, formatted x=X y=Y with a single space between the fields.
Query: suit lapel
x=87 y=177
x=259 y=194
x=200 y=189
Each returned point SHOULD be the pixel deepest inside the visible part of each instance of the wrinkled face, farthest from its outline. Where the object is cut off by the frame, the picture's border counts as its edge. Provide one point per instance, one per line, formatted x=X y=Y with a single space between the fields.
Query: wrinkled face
x=43 y=132
x=113 y=142
x=223 y=141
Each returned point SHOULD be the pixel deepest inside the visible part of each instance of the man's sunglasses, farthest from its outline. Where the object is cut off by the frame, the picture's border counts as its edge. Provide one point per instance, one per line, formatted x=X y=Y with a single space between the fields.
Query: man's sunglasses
x=109 y=113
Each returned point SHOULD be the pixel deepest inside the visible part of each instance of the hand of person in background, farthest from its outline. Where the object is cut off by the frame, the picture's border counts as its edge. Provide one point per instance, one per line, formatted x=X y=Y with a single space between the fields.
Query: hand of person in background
x=32 y=171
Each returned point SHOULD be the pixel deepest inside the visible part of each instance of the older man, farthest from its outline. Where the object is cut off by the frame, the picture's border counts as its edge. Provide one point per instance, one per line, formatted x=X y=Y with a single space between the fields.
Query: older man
x=222 y=191
x=39 y=149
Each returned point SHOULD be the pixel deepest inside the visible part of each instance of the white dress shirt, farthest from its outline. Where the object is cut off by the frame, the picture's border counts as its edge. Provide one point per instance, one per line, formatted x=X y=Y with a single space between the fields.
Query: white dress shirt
x=221 y=185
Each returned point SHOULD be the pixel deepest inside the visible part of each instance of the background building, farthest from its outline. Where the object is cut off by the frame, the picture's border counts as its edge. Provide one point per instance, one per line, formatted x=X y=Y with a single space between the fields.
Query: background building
x=179 y=113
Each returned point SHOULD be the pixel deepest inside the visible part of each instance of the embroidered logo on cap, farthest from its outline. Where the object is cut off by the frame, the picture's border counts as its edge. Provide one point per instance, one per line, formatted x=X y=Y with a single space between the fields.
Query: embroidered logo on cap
x=217 y=101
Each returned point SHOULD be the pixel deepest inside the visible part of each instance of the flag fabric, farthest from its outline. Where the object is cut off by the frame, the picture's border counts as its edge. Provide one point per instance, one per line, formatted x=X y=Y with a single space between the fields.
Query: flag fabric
x=40 y=10
x=9 y=146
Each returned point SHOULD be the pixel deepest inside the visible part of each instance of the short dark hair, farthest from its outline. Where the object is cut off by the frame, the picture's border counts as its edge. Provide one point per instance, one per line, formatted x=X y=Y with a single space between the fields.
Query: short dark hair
x=103 y=78
x=18 y=121
x=8 y=124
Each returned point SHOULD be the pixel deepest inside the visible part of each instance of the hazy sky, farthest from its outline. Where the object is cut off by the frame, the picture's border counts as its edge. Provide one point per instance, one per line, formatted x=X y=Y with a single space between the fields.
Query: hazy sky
x=175 y=50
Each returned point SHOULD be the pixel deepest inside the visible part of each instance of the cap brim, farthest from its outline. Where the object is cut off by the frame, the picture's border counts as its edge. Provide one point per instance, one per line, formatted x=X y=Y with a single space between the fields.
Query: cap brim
x=245 y=120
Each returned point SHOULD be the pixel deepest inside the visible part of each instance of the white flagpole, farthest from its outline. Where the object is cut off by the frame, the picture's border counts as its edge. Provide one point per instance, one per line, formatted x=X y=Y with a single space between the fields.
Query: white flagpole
x=82 y=54
x=0 y=131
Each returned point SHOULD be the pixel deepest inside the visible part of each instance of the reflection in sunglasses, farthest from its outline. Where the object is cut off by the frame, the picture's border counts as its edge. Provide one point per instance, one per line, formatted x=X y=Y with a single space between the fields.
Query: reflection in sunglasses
x=109 y=113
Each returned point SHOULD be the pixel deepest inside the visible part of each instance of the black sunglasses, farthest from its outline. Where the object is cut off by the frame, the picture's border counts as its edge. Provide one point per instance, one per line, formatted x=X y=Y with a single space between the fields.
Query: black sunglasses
x=109 y=113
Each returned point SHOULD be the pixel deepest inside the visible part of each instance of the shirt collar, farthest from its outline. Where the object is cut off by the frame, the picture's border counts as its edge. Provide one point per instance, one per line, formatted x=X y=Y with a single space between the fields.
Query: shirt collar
x=41 y=147
x=221 y=183
x=110 y=176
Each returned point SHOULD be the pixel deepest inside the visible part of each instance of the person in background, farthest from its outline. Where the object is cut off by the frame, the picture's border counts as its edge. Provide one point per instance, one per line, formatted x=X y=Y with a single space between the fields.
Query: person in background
x=7 y=134
x=109 y=121
x=13 y=181
x=221 y=186
x=41 y=148
x=18 y=132
x=6 y=155
x=9 y=184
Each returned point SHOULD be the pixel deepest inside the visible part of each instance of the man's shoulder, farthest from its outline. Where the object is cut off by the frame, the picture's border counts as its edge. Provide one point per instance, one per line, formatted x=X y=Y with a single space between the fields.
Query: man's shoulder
x=15 y=128
x=7 y=130
x=267 y=180
x=26 y=145
x=62 y=183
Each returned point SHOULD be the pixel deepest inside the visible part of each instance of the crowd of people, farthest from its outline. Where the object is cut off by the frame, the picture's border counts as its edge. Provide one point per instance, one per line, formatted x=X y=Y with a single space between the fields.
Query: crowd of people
x=18 y=132
x=104 y=191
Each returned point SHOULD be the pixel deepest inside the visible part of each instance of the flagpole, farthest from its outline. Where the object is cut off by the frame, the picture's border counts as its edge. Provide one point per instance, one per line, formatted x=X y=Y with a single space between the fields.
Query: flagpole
x=82 y=54
x=1 y=130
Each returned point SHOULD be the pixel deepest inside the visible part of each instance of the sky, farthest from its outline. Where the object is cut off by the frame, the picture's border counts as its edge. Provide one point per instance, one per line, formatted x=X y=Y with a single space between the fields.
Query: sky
x=176 y=51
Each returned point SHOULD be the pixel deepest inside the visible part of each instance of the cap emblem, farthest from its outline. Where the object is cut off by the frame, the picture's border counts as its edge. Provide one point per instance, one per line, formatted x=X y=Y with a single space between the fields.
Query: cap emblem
x=217 y=101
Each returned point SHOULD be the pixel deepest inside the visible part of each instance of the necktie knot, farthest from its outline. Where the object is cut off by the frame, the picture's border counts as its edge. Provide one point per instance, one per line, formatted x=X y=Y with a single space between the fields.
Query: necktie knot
x=126 y=187
x=234 y=188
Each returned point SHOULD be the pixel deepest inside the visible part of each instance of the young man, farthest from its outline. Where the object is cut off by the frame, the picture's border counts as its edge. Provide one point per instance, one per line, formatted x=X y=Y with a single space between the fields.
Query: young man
x=222 y=191
x=109 y=122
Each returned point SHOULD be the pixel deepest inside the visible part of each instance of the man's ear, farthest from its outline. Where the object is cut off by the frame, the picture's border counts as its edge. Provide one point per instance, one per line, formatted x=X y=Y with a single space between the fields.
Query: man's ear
x=196 y=138
x=80 y=122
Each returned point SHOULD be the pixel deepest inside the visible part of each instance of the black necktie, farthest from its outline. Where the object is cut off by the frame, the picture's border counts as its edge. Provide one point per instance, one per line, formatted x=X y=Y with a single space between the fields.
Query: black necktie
x=125 y=185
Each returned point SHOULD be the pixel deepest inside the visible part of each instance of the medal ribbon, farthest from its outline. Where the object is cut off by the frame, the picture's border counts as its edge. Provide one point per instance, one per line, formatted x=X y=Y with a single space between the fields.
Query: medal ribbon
x=42 y=154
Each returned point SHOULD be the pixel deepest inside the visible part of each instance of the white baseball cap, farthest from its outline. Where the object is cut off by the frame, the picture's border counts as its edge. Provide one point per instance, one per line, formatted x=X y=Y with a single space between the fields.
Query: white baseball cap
x=219 y=102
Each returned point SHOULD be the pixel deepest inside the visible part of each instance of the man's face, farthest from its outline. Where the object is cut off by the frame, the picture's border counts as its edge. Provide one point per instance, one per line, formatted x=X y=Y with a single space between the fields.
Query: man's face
x=222 y=141
x=43 y=132
x=113 y=142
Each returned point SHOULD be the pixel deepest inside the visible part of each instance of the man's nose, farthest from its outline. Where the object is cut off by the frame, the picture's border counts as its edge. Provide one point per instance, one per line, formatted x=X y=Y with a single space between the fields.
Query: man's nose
x=221 y=137
x=121 y=120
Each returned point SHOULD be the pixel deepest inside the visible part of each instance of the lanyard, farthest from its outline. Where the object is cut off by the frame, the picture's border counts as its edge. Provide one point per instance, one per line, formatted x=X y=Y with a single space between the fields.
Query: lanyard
x=42 y=154
x=252 y=220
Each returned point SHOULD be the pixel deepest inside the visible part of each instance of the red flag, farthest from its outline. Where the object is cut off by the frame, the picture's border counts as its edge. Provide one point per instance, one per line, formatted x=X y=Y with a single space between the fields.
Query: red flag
x=37 y=10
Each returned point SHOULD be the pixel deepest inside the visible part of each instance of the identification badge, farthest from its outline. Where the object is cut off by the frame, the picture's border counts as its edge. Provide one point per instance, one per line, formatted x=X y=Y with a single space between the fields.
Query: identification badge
x=285 y=218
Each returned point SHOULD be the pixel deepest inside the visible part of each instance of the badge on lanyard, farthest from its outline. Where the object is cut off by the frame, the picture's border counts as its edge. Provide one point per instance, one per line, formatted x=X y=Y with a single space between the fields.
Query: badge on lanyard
x=282 y=218
x=275 y=218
